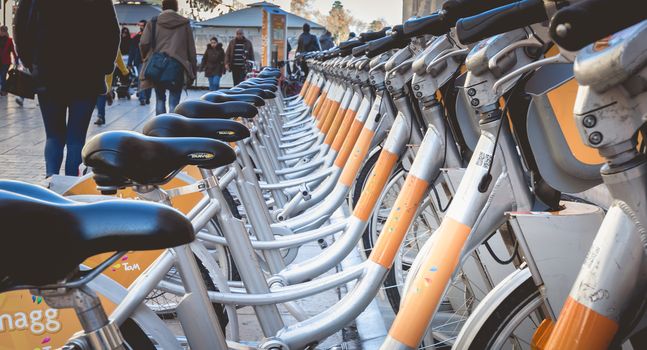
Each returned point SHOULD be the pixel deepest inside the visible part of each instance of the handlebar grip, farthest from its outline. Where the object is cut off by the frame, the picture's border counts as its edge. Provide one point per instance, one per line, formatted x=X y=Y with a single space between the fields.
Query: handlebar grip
x=433 y=24
x=360 y=50
x=349 y=44
x=455 y=9
x=397 y=30
x=385 y=44
x=500 y=20
x=578 y=25
x=370 y=36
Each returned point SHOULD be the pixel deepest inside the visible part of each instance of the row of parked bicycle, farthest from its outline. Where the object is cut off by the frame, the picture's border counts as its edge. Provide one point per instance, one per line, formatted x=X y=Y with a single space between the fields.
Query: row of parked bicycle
x=489 y=159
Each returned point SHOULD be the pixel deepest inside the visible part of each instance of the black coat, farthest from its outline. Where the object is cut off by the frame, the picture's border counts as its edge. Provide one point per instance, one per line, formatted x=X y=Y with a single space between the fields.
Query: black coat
x=213 y=61
x=134 y=54
x=307 y=43
x=69 y=45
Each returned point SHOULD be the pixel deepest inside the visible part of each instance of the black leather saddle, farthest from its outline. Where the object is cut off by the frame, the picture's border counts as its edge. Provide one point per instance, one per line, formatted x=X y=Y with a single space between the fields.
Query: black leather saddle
x=265 y=94
x=47 y=236
x=269 y=74
x=270 y=87
x=175 y=125
x=272 y=81
x=225 y=110
x=121 y=158
x=218 y=97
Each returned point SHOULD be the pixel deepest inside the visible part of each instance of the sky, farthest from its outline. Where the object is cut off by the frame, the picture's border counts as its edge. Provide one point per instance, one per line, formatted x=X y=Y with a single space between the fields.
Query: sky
x=364 y=10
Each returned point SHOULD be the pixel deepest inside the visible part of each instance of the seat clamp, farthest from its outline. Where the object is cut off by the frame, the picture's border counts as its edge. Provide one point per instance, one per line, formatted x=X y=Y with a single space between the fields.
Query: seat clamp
x=198 y=186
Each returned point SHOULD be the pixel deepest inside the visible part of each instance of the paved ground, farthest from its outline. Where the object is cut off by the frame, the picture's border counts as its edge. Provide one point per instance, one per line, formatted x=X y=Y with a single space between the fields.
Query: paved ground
x=22 y=135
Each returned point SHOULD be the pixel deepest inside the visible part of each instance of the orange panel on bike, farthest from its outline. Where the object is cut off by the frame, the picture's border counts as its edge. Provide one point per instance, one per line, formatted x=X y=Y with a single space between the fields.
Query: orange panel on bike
x=426 y=291
x=349 y=143
x=357 y=157
x=375 y=184
x=343 y=130
x=580 y=328
x=334 y=127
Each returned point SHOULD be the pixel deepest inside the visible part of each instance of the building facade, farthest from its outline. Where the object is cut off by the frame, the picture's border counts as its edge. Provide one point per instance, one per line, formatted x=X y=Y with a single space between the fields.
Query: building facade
x=411 y=8
x=250 y=20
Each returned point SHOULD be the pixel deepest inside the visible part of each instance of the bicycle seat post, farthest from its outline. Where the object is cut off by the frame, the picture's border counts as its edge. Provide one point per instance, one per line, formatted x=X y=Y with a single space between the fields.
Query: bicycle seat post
x=99 y=332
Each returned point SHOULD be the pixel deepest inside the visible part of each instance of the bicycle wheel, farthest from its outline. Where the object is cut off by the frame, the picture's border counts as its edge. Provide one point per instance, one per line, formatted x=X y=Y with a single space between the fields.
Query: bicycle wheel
x=507 y=317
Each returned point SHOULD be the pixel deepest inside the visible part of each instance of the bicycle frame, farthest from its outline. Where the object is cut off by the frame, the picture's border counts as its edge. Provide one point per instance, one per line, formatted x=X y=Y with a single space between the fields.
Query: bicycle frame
x=612 y=276
x=473 y=213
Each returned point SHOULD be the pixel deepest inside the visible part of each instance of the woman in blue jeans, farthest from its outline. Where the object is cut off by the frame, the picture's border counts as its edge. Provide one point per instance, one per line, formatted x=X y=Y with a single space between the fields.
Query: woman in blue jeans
x=67 y=93
x=213 y=63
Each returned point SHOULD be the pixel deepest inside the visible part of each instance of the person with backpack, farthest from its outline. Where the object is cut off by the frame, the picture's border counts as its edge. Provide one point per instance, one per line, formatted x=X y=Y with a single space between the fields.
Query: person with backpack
x=239 y=51
x=170 y=61
x=307 y=43
x=67 y=96
x=213 y=63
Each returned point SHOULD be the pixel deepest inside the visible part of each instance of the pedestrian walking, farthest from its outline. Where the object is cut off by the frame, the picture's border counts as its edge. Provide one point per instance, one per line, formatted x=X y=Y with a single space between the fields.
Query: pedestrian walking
x=239 y=51
x=124 y=44
x=174 y=38
x=67 y=95
x=307 y=43
x=213 y=63
x=325 y=41
x=135 y=61
x=6 y=50
x=103 y=98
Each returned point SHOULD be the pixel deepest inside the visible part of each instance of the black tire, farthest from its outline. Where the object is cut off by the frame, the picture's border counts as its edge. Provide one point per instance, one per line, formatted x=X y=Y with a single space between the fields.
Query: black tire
x=135 y=337
x=525 y=294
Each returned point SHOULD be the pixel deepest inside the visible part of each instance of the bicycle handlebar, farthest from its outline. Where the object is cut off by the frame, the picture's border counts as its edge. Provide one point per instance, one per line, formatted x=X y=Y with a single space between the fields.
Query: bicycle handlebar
x=393 y=41
x=370 y=36
x=433 y=24
x=500 y=20
x=442 y=21
x=360 y=50
x=578 y=25
x=346 y=47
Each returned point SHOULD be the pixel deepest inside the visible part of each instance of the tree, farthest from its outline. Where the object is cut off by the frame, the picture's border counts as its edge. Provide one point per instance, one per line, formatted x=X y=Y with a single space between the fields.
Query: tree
x=195 y=9
x=338 y=21
x=376 y=25
x=200 y=9
x=302 y=8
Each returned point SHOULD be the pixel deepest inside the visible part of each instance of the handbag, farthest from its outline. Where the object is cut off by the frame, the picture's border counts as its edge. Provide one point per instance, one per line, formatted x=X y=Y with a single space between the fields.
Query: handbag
x=20 y=83
x=163 y=70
